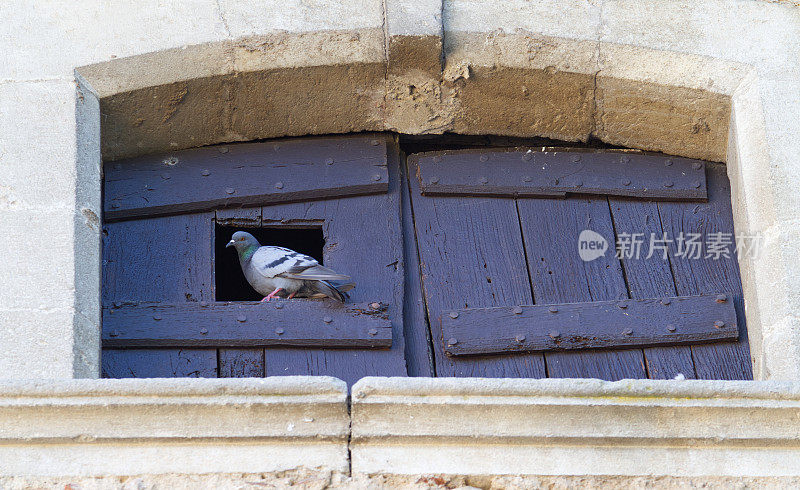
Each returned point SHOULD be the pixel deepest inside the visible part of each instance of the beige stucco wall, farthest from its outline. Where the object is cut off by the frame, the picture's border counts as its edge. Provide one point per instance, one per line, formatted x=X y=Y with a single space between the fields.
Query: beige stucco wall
x=710 y=79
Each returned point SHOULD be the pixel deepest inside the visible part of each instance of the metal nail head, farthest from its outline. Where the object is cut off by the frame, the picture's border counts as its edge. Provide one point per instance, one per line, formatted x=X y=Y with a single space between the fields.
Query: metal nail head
x=484 y=180
x=327 y=319
x=671 y=328
x=668 y=184
x=205 y=173
x=668 y=163
x=376 y=177
x=576 y=158
x=279 y=331
x=329 y=161
x=279 y=185
x=373 y=331
x=230 y=190
x=204 y=331
x=626 y=182
x=454 y=314
x=665 y=301
x=721 y=298
x=156 y=317
x=520 y=338
x=517 y=310
x=554 y=334
x=627 y=331
x=434 y=180
x=553 y=309
x=375 y=305
x=375 y=142
x=697 y=165
x=241 y=318
x=719 y=324
x=484 y=158
x=452 y=341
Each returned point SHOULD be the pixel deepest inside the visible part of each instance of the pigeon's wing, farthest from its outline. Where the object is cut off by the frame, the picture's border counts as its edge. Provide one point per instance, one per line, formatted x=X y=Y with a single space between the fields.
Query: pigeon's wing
x=273 y=262
x=313 y=272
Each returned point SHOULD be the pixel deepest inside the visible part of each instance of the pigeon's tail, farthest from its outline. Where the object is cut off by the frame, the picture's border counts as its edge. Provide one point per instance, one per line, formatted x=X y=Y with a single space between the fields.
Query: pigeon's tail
x=332 y=290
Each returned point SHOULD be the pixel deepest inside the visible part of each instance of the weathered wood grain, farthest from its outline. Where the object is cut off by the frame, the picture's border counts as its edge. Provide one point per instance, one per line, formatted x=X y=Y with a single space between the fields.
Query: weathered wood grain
x=362 y=239
x=241 y=363
x=596 y=324
x=723 y=360
x=159 y=363
x=532 y=172
x=471 y=256
x=297 y=322
x=649 y=277
x=416 y=330
x=245 y=174
x=551 y=228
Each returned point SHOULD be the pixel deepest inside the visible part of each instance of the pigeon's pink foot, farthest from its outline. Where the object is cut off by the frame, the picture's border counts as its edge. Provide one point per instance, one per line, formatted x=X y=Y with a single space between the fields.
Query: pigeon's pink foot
x=271 y=295
x=292 y=295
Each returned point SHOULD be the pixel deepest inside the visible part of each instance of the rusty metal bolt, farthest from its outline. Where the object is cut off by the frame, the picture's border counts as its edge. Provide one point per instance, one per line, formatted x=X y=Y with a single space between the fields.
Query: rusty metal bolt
x=520 y=338
x=204 y=331
x=665 y=301
x=279 y=185
x=230 y=190
x=721 y=298
x=241 y=318
x=453 y=315
x=452 y=341
x=517 y=310
x=375 y=305
x=554 y=334
x=434 y=180
x=484 y=158
x=719 y=324
x=327 y=319
x=553 y=309
x=627 y=331
x=671 y=328
x=668 y=183
x=279 y=331
x=373 y=331
x=205 y=173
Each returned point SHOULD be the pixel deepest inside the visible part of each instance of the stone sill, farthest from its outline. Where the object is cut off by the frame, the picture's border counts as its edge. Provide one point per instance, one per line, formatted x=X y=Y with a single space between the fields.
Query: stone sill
x=467 y=426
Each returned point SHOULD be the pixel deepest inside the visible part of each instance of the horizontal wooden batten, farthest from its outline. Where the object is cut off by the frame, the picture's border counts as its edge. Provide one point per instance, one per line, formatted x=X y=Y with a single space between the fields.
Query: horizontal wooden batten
x=529 y=173
x=590 y=325
x=248 y=174
x=295 y=323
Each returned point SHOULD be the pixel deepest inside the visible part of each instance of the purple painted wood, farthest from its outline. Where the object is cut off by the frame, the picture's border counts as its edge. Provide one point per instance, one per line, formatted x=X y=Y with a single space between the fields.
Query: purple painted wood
x=241 y=363
x=649 y=277
x=416 y=331
x=362 y=239
x=160 y=259
x=159 y=363
x=245 y=174
x=297 y=322
x=551 y=228
x=596 y=324
x=529 y=173
x=724 y=360
x=471 y=256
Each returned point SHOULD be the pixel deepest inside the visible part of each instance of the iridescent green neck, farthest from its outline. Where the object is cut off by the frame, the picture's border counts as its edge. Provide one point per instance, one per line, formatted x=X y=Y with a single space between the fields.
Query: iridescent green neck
x=247 y=253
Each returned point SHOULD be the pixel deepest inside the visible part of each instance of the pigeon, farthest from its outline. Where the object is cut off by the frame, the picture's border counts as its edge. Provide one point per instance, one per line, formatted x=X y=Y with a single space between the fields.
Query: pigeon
x=274 y=270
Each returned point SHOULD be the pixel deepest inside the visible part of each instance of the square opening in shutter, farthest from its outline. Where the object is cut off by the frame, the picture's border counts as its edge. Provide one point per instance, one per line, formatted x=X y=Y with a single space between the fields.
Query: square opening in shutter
x=230 y=283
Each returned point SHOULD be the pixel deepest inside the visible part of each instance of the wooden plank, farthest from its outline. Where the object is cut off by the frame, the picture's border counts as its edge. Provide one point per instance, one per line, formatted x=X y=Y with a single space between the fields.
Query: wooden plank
x=532 y=173
x=159 y=363
x=590 y=325
x=363 y=238
x=649 y=277
x=299 y=322
x=241 y=363
x=245 y=174
x=723 y=360
x=551 y=228
x=416 y=331
x=472 y=256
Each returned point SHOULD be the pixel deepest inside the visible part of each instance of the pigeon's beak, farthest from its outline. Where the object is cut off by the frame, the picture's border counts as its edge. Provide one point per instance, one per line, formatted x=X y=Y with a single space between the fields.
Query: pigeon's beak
x=230 y=243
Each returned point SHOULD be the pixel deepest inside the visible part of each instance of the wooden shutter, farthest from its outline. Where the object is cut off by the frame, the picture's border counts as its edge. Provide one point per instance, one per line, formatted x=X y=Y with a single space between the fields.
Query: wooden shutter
x=160 y=314
x=497 y=235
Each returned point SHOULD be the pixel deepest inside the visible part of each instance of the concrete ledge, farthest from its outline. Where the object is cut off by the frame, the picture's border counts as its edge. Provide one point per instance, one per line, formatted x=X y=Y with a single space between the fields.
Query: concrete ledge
x=116 y=427
x=575 y=427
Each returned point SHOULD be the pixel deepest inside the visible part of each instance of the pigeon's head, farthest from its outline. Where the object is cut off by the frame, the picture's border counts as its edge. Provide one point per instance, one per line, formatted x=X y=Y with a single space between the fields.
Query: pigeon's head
x=242 y=241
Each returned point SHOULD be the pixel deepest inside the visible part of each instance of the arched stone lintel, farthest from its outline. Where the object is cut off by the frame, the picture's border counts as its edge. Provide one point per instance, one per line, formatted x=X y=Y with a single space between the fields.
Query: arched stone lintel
x=520 y=84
